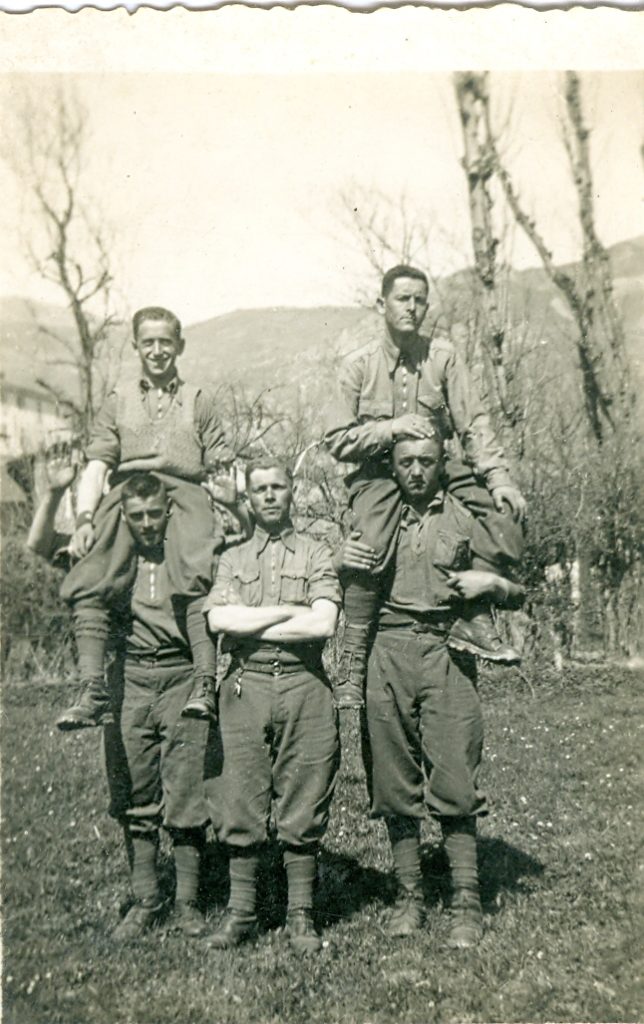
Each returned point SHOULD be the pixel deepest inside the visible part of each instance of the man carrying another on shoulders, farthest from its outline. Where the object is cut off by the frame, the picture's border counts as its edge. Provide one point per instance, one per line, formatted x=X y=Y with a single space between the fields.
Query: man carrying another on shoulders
x=424 y=727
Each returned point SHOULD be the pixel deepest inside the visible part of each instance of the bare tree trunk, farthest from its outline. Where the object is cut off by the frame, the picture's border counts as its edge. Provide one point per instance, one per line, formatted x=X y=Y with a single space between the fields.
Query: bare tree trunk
x=478 y=163
x=600 y=339
x=604 y=320
x=49 y=156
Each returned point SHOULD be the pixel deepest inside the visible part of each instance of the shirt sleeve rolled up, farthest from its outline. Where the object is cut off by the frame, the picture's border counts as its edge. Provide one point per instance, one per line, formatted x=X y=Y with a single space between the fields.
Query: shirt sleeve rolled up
x=105 y=443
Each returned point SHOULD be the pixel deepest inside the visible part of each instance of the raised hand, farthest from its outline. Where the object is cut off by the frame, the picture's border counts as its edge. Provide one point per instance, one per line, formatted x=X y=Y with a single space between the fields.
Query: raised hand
x=61 y=465
x=221 y=488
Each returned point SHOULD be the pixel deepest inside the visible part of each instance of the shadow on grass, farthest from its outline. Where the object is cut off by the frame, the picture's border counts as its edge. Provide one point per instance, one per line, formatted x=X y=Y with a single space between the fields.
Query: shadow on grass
x=344 y=886
x=502 y=868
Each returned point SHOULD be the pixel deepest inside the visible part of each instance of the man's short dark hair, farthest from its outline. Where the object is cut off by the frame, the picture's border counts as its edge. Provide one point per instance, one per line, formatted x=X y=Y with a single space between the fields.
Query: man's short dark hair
x=402 y=270
x=156 y=313
x=268 y=462
x=143 y=485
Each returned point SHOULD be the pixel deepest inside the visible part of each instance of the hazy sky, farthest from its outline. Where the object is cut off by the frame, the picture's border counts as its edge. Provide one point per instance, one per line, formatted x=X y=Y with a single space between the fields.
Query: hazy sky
x=221 y=190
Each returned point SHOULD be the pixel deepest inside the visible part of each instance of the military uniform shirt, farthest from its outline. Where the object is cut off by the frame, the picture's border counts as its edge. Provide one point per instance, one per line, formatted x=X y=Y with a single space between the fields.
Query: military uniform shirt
x=378 y=383
x=429 y=547
x=292 y=568
x=154 y=626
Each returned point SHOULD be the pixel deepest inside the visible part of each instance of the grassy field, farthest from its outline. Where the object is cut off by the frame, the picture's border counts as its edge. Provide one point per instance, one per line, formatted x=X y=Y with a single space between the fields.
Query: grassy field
x=561 y=870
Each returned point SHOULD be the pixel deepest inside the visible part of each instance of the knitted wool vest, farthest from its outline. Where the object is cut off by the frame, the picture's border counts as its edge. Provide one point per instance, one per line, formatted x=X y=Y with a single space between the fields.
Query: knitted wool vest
x=169 y=445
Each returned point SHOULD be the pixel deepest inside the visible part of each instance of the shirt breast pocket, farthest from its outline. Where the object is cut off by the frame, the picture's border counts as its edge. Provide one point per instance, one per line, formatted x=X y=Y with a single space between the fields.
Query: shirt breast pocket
x=374 y=408
x=293 y=586
x=451 y=552
x=430 y=403
x=247 y=582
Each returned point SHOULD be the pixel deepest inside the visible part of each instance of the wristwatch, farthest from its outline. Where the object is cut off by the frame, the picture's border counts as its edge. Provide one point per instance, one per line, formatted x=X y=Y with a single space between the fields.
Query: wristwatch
x=82 y=518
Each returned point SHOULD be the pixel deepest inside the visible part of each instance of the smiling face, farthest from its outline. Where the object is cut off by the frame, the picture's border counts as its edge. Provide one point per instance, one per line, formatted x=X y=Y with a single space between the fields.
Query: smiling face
x=158 y=346
x=417 y=467
x=147 y=519
x=270 y=494
x=404 y=307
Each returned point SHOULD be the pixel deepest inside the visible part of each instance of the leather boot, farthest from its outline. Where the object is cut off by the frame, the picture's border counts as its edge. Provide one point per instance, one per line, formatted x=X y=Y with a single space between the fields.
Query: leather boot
x=348 y=691
x=233 y=929
x=202 y=702
x=476 y=633
x=408 y=914
x=92 y=707
x=466 y=924
x=139 y=919
x=301 y=932
x=187 y=918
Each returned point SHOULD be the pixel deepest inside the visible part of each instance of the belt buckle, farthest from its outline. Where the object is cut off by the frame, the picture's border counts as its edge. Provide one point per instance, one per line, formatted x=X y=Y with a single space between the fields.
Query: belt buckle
x=276 y=668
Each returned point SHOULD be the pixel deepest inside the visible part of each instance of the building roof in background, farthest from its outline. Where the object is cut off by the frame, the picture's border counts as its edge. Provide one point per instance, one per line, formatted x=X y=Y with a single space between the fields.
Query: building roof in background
x=10 y=492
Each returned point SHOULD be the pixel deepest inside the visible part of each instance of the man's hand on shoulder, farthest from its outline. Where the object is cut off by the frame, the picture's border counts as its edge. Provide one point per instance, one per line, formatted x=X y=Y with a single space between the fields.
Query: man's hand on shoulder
x=82 y=540
x=512 y=497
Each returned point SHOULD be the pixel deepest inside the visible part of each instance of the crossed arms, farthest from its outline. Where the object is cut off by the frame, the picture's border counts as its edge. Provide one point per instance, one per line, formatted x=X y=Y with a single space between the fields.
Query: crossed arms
x=284 y=623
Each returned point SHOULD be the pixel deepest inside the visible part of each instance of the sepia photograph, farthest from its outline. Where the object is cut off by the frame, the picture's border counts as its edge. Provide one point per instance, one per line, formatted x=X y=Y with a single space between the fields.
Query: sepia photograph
x=322 y=516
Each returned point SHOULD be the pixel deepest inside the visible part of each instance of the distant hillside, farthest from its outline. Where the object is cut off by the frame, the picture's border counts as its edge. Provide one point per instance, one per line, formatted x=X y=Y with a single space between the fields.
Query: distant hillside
x=291 y=346
x=263 y=346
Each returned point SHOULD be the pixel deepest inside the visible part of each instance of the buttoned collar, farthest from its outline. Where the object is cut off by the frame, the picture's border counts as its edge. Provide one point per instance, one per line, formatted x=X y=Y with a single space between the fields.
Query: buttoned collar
x=171 y=388
x=287 y=537
x=394 y=356
x=410 y=515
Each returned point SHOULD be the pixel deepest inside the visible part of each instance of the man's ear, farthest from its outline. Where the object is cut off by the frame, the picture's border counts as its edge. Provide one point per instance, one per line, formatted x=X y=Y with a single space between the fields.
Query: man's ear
x=380 y=305
x=168 y=510
x=181 y=344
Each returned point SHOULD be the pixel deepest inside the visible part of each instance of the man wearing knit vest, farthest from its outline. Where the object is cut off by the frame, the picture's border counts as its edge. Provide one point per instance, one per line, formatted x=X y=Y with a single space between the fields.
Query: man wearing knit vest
x=423 y=728
x=165 y=752
x=276 y=599
x=156 y=422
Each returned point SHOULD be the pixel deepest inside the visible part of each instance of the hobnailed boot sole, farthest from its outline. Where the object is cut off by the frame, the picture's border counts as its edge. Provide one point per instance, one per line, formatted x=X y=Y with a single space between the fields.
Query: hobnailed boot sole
x=202 y=713
x=67 y=723
x=507 y=657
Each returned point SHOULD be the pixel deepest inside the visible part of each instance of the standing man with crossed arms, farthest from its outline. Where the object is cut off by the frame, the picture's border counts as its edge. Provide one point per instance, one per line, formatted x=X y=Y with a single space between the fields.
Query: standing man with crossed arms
x=276 y=599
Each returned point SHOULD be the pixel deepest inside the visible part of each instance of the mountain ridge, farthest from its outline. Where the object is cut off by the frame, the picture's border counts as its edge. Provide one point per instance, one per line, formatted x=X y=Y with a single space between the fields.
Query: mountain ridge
x=282 y=345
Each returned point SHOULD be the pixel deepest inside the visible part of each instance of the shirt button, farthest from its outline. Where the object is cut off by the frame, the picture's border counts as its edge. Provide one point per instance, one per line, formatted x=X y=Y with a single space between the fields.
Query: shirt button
x=404 y=405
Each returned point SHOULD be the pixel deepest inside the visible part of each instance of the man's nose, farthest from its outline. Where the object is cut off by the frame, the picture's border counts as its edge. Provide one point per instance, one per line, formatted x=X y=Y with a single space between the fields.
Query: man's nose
x=156 y=348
